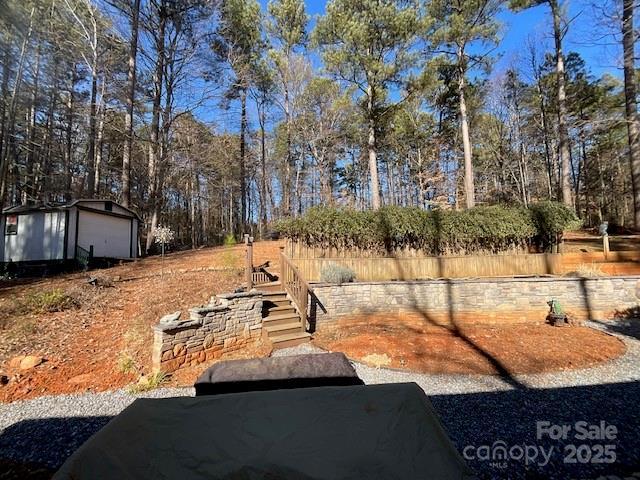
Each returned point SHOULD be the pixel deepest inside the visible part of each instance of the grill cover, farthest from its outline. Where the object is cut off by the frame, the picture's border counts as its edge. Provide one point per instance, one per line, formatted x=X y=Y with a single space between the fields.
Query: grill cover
x=358 y=432
x=299 y=371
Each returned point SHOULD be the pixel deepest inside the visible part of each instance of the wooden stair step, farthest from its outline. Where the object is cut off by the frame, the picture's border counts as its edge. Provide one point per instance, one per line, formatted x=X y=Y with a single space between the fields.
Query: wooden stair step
x=268 y=322
x=267 y=288
x=274 y=296
x=283 y=329
x=274 y=292
x=290 y=339
x=267 y=304
x=282 y=308
x=282 y=316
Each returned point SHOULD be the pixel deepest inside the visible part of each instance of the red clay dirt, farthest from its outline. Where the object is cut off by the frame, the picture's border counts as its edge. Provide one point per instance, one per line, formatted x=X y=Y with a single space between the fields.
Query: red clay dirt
x=403 y=341
x=112 y=322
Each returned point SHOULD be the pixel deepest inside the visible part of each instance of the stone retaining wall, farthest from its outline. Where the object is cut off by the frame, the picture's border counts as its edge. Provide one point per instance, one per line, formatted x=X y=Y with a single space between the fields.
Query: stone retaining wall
x=493 y=301
x=229 y=322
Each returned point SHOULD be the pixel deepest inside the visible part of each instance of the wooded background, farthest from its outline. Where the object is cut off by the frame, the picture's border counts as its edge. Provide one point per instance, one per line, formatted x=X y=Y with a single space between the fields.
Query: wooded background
x=376 y=102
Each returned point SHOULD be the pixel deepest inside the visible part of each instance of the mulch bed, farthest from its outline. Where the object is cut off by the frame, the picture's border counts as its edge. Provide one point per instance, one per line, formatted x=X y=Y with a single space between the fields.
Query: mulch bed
x=404 y=341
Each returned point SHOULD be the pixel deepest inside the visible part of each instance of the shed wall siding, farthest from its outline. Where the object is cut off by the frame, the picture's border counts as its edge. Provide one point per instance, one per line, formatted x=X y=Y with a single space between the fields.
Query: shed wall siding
x=71 y=243
x=40 y=237
x=134 y=238
x=110 y=236
x=2 y=237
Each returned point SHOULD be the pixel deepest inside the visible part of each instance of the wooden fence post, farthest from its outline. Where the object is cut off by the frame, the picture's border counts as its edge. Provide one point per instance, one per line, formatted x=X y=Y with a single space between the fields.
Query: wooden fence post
x=605 y=245
x=249 y=261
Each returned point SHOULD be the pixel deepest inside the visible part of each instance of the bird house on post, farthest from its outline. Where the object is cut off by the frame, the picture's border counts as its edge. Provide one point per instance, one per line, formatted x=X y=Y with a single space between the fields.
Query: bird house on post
x=248 y=240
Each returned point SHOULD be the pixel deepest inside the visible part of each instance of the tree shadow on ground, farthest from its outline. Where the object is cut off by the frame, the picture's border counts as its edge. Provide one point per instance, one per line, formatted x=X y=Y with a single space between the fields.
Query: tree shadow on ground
x=35 y=449
x=628 y=321
x=627 y=324
x=416 y=306
x=511 y=416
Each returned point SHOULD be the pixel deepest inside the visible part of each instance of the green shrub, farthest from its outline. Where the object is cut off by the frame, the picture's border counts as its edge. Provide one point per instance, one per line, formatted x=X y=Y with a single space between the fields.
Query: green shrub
x=334 y=273
x=126 y=363
x=147 y=383
x=551 y=219
x=482 y=229
x=47 y=302
x=229 y=240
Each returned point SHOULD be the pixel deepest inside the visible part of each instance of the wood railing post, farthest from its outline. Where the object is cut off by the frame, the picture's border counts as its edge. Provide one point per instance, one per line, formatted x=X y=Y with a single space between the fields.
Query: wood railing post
x=282 y=269
x=304 y=298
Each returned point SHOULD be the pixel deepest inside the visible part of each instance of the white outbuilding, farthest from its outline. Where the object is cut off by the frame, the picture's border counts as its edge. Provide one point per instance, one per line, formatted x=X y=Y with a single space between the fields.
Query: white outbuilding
x=59 y=233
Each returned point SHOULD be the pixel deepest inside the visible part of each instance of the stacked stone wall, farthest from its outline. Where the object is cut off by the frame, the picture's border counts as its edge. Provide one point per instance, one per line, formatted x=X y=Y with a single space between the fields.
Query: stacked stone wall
x=229 y=322
x=477 y=301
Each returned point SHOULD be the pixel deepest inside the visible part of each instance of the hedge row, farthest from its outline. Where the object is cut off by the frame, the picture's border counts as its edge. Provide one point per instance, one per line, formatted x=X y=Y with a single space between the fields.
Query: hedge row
x=440 y=232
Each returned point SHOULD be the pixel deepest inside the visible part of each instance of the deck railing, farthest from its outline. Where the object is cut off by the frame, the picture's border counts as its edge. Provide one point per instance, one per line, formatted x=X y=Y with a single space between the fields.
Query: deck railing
x=260 y=277
x=296 y=286
x=84 y=256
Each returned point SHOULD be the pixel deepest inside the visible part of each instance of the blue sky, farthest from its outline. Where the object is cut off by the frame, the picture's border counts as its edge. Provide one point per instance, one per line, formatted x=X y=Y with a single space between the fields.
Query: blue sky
x=535 y=21
x=517 y=28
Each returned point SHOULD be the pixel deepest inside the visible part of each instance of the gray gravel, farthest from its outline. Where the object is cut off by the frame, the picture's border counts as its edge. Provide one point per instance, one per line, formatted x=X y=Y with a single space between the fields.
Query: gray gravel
x=476 y=410
x=623 y=369
x=479 y=410
x=46 y=430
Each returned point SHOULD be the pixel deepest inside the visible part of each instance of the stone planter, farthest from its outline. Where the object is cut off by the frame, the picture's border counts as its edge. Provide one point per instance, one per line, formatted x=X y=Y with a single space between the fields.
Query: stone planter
x=557 y=320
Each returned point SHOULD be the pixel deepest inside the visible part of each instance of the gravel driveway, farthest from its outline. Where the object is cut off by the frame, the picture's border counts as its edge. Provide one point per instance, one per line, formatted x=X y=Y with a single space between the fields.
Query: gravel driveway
x=480 y=412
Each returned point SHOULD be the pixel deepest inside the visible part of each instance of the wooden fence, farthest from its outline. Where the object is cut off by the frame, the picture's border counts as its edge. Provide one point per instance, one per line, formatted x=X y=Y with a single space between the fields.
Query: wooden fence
x=422 y=268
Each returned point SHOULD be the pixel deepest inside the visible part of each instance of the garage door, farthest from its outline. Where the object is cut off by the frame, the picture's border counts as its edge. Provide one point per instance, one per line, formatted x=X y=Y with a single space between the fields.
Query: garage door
x=109 y=235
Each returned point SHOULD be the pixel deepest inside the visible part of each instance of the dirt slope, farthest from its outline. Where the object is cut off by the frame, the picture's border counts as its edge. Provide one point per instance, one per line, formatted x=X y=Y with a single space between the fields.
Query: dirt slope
x=103 y=341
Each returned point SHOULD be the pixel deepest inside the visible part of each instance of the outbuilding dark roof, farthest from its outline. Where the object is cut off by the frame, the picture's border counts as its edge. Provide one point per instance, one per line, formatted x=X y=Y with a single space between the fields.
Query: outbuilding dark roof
x=40 y=207
x=48 y=207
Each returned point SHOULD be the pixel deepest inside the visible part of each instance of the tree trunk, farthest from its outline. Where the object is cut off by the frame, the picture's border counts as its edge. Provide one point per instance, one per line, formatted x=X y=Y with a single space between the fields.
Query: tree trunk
x=563 y=146
x=154 y=147
x=631 y=107
x=44 y=183
x=549 y=161
x=243 y=181
x=7 y=141
x=376 y=202
x=128 y=119
x=4 y=91
x=193 y=200
x=469 y=187
x=326 y=180
x=99 y=145
x=28 y=192
x=286 y=194
x=68 y=152
x=263 y=173
x=91 y=150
